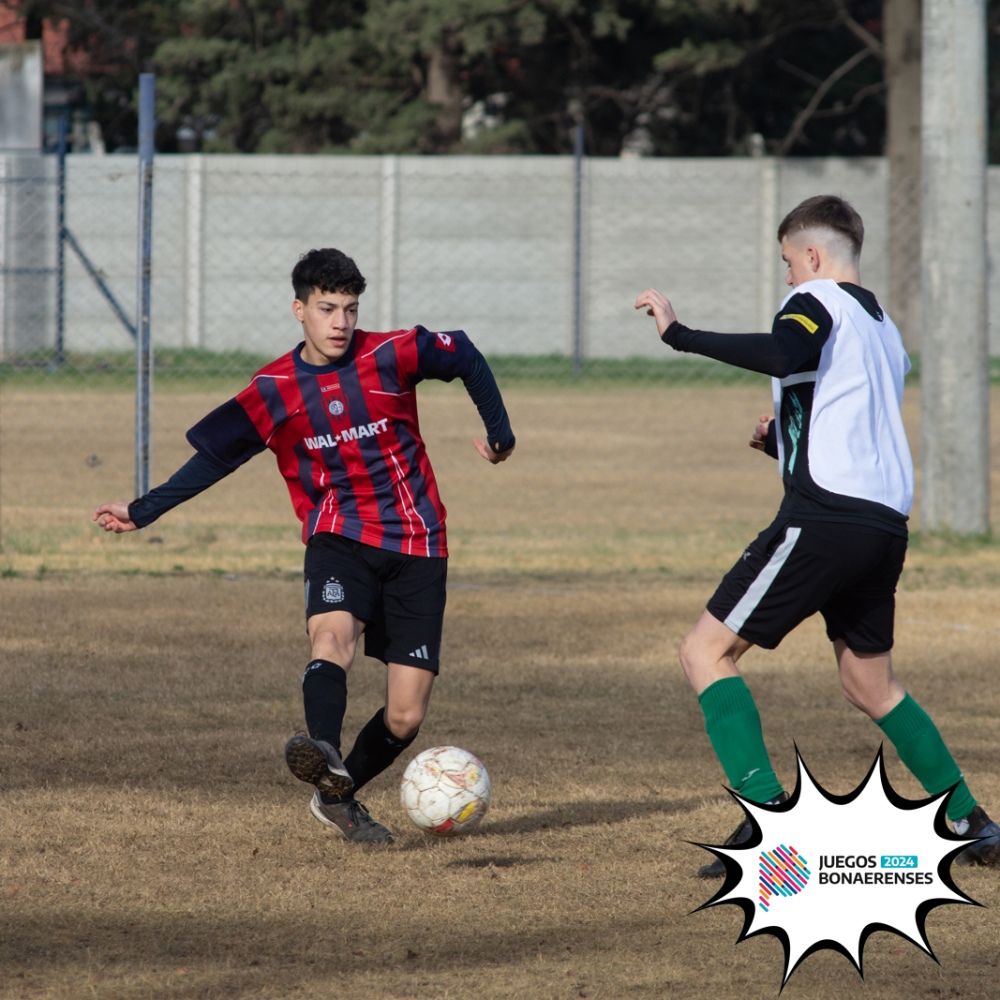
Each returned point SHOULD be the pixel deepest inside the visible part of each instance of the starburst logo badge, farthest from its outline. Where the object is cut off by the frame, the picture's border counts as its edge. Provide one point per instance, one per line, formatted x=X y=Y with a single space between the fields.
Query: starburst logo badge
x=841 y=867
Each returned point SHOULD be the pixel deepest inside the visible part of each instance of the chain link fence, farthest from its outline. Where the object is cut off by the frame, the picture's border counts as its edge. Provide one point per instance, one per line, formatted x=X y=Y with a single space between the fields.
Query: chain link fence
x=540 y=259
x=499 y=246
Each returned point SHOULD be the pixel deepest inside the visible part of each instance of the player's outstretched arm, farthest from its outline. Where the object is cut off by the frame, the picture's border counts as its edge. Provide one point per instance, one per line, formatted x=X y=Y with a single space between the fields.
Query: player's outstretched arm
x=114 y=517
x=796 y=336
x=197 y=474
x=658 y=306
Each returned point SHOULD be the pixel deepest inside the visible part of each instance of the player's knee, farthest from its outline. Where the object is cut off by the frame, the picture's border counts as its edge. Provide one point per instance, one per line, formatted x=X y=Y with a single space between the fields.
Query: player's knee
x=852 y=696
x=690 y=653
x=404 y=722
x=860 y=699
x=328 y=644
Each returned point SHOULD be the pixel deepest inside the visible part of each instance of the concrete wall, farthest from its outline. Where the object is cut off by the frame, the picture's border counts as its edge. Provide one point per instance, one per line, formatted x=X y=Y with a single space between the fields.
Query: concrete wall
x=481 y=243
x=21 y=87
x=28 y=249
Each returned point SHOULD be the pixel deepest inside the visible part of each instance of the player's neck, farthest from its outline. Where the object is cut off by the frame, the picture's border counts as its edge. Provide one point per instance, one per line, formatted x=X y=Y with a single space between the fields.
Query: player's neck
x=840 y=273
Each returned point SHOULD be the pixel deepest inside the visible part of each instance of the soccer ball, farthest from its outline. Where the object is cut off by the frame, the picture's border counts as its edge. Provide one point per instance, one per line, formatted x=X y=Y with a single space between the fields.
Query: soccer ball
x=445 y=791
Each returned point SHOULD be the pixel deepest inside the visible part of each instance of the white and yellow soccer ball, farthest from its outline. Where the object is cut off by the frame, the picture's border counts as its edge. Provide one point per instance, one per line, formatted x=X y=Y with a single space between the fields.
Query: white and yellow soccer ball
x=445 y=791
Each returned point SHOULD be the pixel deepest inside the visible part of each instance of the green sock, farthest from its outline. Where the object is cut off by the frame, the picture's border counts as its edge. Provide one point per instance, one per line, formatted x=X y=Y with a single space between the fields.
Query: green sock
x=733 y=725
x=921 y=749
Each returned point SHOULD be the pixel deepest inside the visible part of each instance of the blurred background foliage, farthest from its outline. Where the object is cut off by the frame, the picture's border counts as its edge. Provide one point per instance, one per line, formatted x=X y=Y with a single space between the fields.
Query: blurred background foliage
x=646 y=77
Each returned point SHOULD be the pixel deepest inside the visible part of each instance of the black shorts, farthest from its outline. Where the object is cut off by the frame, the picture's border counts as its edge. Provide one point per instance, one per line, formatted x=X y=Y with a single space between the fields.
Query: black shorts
x=794 y=568
x=400 y=598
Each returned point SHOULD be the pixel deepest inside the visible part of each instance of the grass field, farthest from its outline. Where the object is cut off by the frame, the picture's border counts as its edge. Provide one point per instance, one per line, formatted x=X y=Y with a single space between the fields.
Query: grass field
x=154 y=844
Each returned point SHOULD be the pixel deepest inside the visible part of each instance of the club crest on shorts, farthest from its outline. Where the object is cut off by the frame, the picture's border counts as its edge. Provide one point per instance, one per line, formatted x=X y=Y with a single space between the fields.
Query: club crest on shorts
x=333 y=591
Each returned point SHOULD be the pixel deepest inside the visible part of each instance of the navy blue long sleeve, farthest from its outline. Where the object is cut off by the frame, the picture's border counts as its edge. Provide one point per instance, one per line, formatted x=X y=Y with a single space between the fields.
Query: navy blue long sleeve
x=482 y=389
x=195 y=476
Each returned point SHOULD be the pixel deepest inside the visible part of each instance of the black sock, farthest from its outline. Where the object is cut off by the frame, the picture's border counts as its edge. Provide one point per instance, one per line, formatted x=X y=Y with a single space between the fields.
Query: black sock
x=324 y=697
x=374 y=750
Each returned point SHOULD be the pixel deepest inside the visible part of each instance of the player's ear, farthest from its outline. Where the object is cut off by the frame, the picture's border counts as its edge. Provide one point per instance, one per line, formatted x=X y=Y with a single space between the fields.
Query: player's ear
x=297 y=309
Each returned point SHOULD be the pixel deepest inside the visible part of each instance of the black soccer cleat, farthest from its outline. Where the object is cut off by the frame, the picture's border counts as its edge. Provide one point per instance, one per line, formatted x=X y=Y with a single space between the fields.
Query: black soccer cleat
x=318 y=763
x=717 y=867
x=987 y=851
x=350 y=819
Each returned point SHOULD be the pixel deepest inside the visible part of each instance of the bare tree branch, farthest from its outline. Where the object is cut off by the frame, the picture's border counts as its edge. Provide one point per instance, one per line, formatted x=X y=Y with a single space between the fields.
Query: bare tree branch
x=807 y=112
x=848 y=109
x=866 y=38
x=813 y=81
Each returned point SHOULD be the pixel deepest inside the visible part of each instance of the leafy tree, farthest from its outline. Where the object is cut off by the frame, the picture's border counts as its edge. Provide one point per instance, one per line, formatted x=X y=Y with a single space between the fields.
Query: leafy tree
x=675 y=77
x=663 y=77
x=269 y=75
x=790 y=76
x=386 y=76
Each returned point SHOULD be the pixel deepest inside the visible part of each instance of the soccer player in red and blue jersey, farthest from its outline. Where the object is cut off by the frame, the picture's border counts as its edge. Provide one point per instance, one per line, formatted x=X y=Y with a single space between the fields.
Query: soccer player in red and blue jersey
x=340 y=414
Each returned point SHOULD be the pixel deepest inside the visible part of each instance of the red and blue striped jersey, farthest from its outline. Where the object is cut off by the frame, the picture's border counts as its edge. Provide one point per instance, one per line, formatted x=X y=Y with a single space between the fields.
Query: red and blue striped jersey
x=346 y=436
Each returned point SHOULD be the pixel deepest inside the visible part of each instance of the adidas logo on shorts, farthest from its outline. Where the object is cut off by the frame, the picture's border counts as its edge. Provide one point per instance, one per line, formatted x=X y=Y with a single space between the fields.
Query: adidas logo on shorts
x=420 y=654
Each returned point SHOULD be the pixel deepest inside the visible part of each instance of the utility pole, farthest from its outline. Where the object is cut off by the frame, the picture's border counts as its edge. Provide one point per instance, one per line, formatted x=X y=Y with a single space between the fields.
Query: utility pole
x=954 y=377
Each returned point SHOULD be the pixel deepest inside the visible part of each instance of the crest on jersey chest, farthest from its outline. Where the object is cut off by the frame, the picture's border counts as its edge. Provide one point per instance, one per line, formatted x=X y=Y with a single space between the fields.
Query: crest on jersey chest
x=333 y=399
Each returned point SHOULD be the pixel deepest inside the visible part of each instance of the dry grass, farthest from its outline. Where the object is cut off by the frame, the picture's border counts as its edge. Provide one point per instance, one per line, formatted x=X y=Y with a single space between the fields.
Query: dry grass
x=652 y=479
x=154 y=844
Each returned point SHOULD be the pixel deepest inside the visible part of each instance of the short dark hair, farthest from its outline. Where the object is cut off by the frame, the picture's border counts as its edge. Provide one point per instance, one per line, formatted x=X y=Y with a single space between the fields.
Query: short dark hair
x=328 y=270
x=825 y=211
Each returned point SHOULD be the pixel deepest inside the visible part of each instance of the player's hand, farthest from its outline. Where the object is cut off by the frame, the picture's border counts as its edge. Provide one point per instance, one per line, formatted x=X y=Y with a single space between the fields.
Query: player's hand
x=490 y=454
x=758 y=439
x=114 y=517
x=658 y=306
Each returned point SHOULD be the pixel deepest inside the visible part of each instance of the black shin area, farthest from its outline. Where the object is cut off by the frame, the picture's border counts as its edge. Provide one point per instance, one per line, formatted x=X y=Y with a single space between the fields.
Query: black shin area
x=374 y=750
x=324 y=697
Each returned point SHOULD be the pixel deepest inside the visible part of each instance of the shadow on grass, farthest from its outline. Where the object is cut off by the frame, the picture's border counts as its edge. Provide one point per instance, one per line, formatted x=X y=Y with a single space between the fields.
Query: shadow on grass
x=584 y=814
x=241 y=955
x=591 y=814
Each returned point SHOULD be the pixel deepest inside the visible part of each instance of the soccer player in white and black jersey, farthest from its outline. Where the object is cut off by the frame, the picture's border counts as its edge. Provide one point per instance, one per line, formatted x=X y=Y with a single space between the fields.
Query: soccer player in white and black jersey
x=837 y=544
x=339 y=412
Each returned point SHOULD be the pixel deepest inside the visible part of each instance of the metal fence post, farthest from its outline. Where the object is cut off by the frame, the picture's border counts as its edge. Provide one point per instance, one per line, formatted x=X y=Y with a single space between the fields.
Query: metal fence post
x=388 y=248
x=578 y=247
x=61 y=243
x=194 y=250
x=769 y=294
x=144 y=367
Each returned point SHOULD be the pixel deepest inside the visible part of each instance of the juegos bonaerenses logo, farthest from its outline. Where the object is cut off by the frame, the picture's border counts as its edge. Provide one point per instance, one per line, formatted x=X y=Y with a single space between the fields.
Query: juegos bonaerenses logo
x=827 y=871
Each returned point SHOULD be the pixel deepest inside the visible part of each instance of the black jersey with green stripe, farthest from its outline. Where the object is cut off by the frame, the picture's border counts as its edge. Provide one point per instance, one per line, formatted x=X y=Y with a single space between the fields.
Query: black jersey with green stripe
x=837 y=364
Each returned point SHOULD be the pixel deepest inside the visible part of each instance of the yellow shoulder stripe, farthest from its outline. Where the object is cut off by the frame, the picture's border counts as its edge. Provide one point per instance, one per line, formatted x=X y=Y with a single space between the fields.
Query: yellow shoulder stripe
x=804 y=320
